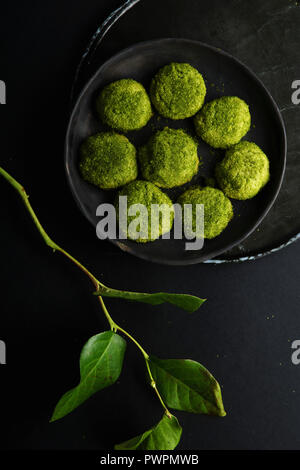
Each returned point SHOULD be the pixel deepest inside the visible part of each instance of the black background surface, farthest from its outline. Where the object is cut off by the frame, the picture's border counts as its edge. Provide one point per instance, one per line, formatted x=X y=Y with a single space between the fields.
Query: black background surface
x=243 y=333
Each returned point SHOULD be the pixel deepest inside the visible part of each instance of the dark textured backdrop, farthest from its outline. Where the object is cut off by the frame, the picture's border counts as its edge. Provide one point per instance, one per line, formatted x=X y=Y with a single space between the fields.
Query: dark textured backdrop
x=242 y=334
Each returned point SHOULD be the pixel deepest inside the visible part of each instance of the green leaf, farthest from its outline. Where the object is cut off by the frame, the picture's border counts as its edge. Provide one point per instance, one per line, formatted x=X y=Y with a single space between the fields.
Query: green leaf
x=186 y=385
x=164 y=436
x=101 y=363
x=190 y=303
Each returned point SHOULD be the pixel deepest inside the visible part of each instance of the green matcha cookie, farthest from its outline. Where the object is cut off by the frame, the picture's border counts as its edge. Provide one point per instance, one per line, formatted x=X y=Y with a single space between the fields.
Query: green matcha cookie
x=146 y=193
x=178 y=91
x=244 y=171
x=217 y=210
x=124 y=105
x=169 y=158
x=222 y=123
x=108 y=160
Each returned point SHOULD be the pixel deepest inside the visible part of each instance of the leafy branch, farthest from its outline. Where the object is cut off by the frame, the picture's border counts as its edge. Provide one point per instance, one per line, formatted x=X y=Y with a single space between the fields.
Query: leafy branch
x=179 y=384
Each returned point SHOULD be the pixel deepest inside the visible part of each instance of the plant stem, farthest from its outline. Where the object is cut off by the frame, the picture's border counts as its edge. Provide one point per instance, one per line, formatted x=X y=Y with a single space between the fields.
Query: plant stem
x=40 y=228
x=146 y=356
x=153 y=385
x=114 y=327
x=110 y=320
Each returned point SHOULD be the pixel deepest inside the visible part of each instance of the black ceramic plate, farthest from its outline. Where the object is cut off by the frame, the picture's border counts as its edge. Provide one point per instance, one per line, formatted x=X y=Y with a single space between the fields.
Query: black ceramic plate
x=221 y=71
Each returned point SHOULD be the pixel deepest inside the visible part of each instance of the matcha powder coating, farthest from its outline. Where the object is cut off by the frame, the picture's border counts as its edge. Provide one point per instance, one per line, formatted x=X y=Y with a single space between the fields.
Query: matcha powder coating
x=217 y=210
x=244 y=171
x=146 y=193
x=124 y=105
x=178 y=91
x=108 y=160
x=169 y=159
x=223 y=122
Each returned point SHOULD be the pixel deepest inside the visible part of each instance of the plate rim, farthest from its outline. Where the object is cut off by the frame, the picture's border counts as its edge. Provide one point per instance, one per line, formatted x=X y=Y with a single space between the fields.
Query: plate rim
x=283 y=150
